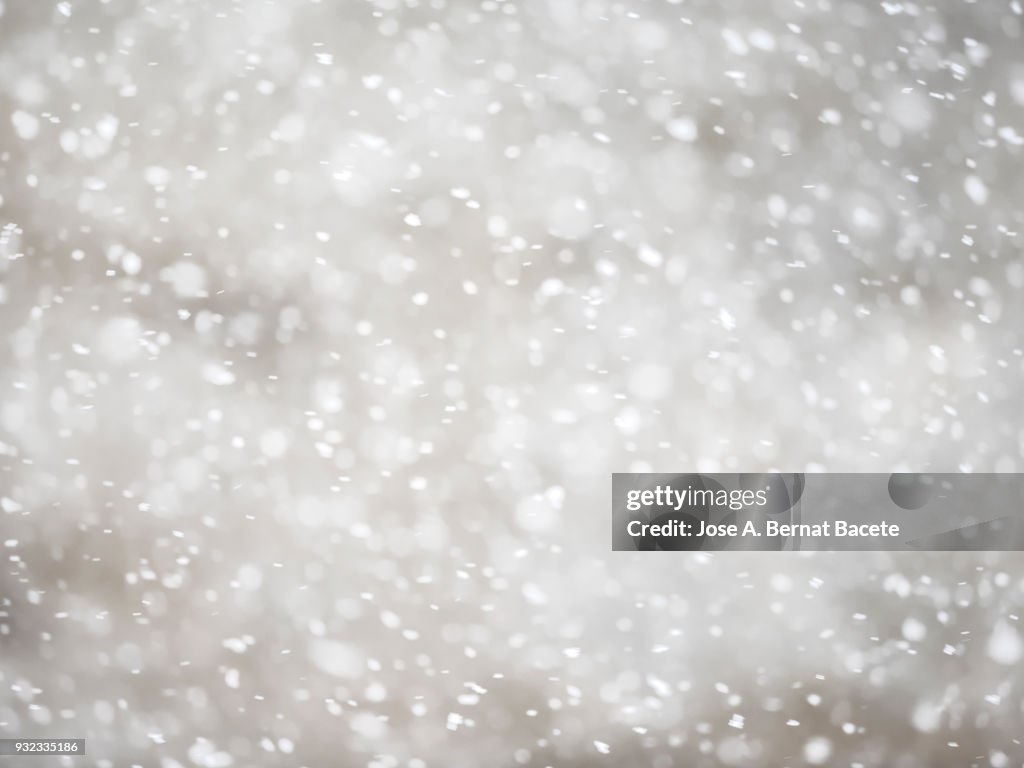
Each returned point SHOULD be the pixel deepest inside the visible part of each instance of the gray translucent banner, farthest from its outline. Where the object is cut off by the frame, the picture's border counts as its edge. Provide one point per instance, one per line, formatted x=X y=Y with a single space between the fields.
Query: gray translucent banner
x=828 y=511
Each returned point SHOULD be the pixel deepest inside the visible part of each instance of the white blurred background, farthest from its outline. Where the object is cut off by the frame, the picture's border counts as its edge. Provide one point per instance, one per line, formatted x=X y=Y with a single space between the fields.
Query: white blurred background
x=325 y=323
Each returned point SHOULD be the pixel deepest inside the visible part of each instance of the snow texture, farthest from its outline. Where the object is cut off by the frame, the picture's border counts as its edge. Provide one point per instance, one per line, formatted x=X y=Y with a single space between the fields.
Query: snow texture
x=324 y=324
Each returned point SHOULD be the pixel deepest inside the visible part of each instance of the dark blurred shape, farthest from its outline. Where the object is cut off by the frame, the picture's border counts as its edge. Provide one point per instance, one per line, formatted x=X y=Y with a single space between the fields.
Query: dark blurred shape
x=911 y=490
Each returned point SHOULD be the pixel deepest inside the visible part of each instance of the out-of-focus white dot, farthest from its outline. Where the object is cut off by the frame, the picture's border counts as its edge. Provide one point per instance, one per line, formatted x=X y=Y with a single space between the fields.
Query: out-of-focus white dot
x=69 y=141
x=186 y=278
x=156 y=175
x=250 y=577
x=831 y=116
x=910 y=295
x=497 y=226
x=682 y=128
x=131 y=263
x=650 y=256
x=25 y=125
x=910 y=110
x=650 y=381
x=536 y=514
x=817 y=750
x=118 y=339
x=914 y=630
x=1005 y=645
x=291 y=128
x=976 y=190
x=569 y=218
x=273 y=443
